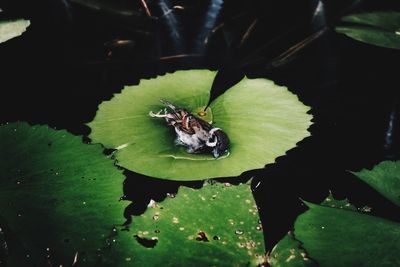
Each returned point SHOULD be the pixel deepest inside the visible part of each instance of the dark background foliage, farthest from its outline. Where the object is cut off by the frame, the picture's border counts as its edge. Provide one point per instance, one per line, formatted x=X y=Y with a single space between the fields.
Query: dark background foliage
x=70 y=60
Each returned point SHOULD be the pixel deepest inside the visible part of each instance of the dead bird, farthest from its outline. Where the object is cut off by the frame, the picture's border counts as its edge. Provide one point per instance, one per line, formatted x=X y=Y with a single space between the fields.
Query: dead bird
x=192 y=132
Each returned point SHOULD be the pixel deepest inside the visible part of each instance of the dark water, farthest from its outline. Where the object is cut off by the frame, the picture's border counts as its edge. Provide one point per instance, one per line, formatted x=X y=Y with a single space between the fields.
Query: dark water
x=61 y=70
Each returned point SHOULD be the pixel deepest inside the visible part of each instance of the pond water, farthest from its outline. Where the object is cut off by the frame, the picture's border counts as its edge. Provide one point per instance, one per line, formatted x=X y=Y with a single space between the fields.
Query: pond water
x=64 y=66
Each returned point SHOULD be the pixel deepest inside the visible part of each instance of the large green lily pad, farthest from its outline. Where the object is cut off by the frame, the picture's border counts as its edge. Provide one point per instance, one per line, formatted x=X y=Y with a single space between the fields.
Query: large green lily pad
x=263 y=121
x=385 y=178
x=217 y=225
x=58 y=196
x=12 y=28
x=376 y=28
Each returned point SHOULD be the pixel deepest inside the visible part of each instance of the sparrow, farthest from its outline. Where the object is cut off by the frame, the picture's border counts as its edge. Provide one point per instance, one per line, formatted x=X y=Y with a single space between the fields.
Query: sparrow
x=192 y=132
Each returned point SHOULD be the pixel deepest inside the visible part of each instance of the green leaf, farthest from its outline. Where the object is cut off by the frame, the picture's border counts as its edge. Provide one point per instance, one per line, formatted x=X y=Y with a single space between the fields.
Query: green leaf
x=262 y=120
x=12 y=28
x=59 y=196
x=376 y=28
x=56 y=193
x=384 y=178
x=340 y=237
x=288 y=252
x=330 y=201
x=217 y=225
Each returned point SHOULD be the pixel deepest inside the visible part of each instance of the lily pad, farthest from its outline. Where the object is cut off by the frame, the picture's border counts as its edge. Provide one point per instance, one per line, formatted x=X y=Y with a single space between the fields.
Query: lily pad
x=263 y=121
x=58 y=196
x=376 y=28
x=12 y=28
x=336 y=234
x=384 y=178
x=217 y=225
x=340 y=237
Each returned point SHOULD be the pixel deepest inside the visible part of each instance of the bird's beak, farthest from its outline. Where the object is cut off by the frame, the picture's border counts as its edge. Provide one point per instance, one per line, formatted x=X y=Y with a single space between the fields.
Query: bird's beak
x=216 y=153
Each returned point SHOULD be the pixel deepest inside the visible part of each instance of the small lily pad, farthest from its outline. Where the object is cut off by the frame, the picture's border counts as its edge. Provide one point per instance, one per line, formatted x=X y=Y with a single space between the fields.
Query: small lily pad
x=263 y=121
x=12 y=28
x=217 y=225
x=376 y=28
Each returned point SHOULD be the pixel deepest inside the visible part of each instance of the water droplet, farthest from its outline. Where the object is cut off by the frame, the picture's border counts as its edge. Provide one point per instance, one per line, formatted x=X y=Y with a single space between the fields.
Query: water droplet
x=122 y=198
x=181 y=228
x=216 y=237
x=259 y=227
x=18 y=182
x=239 y=232
x=213 y=196
x=152 y=204
x=156 y=217
x=128 y=259
x=157 y=231
x=84 y=202
x=170 y=195
x=28 y=256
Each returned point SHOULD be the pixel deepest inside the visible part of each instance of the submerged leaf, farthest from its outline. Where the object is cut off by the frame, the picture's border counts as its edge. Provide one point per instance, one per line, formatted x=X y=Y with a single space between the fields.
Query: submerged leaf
x=217 y=225
x=384 y=178
x=12 y=28
x=58 y=196
x=376 y=28
x=262 y=120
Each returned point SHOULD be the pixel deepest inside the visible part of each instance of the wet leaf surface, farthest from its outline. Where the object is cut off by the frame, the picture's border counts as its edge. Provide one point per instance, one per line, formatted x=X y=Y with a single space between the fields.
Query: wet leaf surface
x=289 y=253
x=217 y=225
x=262 y=120
x=58 y=196
x=12 y=28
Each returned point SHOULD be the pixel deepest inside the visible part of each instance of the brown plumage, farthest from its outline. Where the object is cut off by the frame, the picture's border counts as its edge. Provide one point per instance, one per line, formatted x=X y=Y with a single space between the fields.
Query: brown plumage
x=192 y=132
